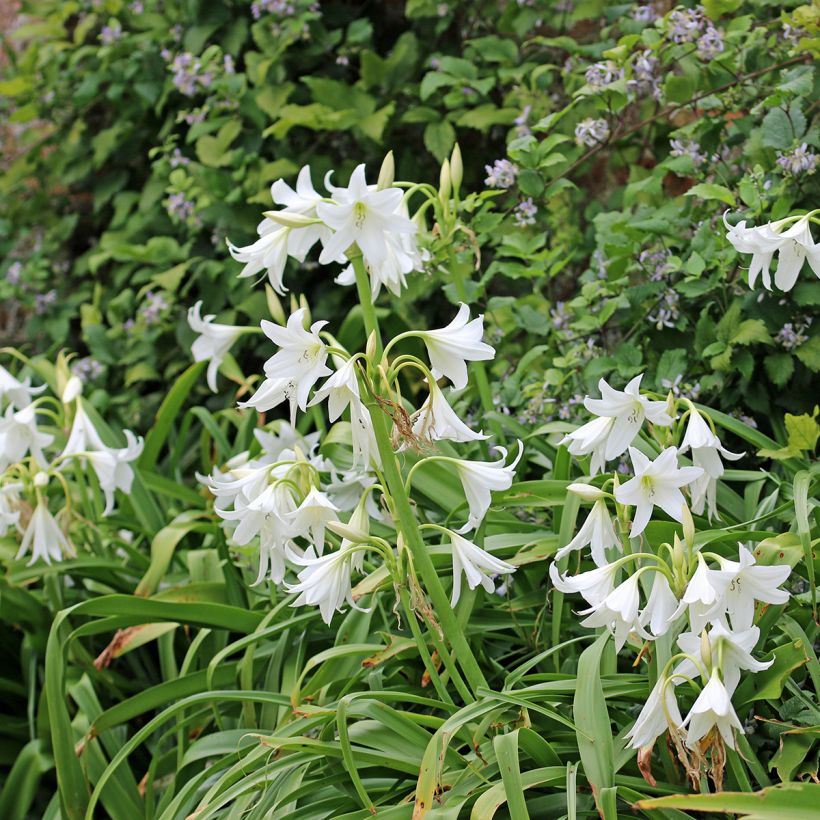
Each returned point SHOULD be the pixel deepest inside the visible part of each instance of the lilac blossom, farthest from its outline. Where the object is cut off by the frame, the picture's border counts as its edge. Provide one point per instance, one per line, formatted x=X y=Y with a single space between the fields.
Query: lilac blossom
x=501 y=174
x=87 y=369
x=591 y=132
x=560 y=316
x=136 y=7
x=668 y=311
x=645 y=80
x=14 y=272
x=178 y=159
x=800 y=161
x=180 y=207
x=645 y=13
x=599 y=75
x=43 y=300
x=111 y=33
x=686 y=25
x=657 y=262
x=790 y=336
x=521 y=127
x=525 y=213
x=710 y=44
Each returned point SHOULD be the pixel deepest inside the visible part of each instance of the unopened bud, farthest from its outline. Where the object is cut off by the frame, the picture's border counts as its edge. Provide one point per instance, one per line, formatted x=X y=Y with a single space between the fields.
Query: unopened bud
x=387 y=173
x=275 y=308
x=688 y=527
x=40 y=479
x=706 y=650
x=587 y=491
x=671 y=406
x=456 y=168
x=678 y=555
x=291 y=220
x=73 y=388
x=370 y=349
x=348 y=532
x=445 y=185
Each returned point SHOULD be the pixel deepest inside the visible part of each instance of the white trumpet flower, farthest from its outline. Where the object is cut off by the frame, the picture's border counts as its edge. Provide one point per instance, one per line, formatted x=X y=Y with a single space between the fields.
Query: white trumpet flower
x=340 y=390
x=19 y=435
x=618 y=611
x=597 y=531
x=19 y=393
x=659 y=713
x=477 y=565
x=451 y=347
x=312 y=515
x=594 y=585
x=591 y=439
x=437 y=421
x=713 y=708
x=214 y=341
x=44 y=537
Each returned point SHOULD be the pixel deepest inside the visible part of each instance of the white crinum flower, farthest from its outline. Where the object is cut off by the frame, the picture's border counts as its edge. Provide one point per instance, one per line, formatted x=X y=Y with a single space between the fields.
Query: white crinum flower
x=750 y=582
x=713 y=708
x=478 y=566
x=659 y=713
x=44 y=537
x=628 y=408
x=703 y=595
x=311 y=516
x=436 y=420
x=19 y=435
x=451 y=347
x=113 y=467
x=618 y=611
x=363 y=439
x=368 y=218
x=706 y=452
x=597 y=531
x=730 y=652
x=594 y=585
x=214 y=341
x=9 y=506
x=340 y=389
x=19 y=393
x=480 y=478
x=794 y=244
x=277 y=241
x=591 y=439
x=660 y=609
x=656 y=483
x=325 y=581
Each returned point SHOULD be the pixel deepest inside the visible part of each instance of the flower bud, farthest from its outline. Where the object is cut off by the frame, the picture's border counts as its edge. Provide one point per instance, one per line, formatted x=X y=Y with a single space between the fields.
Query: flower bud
x=348 y=532
x=73 y=388
x=290 y=220
x=445 y=186
x=587 y=491
x=387 y=173
x=688 y=527
x=456 y=168
x=678 y=555
x=370 y=349
x=706 y=651
x=275 y=308
x=40 y=479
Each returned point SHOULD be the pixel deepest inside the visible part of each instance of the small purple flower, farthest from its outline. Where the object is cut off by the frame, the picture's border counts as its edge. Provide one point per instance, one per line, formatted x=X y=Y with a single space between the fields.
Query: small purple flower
x=228 y=65
x=525 y=213
x=790 y=336
x=599 y=75
x=14 y=272
x=686 y=25
x=800 y=161
x=794 y=34
x=151 y=313
x=179 y=207
x=657 y=262
x=687 y=148
x=136 y=7
x=645 y=80
x=87 y=369
x=667 y=312
x=501 y=174
x=710 y=44
x=560 y=316
x=43 y=300
x=111 y=33
x=178 y=159
x=591 y=132
x=645 y=13
x=521 y=127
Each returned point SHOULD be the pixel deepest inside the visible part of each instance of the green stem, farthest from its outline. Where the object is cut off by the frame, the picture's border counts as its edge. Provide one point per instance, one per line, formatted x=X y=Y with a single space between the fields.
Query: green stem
x=371 y=322
x=407 y=524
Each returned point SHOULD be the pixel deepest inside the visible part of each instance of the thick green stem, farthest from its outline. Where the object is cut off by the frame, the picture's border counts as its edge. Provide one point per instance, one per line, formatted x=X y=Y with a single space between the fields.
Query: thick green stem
x=406 y=523
x=371 y=322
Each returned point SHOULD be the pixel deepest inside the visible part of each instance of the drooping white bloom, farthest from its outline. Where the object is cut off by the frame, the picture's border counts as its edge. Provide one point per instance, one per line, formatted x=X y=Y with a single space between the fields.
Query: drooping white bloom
x=730 y=652
x=706 y=453
x=72 y=390
x=480 y=478
x=277 y=241
x=295 y=368
x=19 y=393
x=750 y=582
x=286 y=439
x=324 y=581
x=311 y=516
x=340 y=390
x=713 y=708
x=363 y=439
x=9 y=506
x=83 y=435
x=794 y=245
x=597 y=531
x=591 y=439
x=365 y=217
x=477 y=565
x=19 y=435
x=594 y=585
x=628 y=408
x=618 y=611
x=703 y=595
x=437 y=421
x=44 y=537
x=214 y=341
x=451 y=347
x=659 y=612
x=659 y=713
x=656 y=483
x=113 y=467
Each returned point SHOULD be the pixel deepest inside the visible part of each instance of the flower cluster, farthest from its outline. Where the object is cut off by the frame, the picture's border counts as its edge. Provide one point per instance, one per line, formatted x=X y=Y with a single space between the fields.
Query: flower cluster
x=34 y=461
x=501 y=174
x=591 y=132
x=639 y=593
x=789 y=238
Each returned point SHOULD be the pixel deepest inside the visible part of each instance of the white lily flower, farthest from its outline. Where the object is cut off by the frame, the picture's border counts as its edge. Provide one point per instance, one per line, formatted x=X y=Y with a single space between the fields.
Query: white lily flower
x=437 y=421
x=704 y=594
x=713 y=708
x=362 y=216
x=594 y=585
x=113 y=467
x=618 y=611
x=796 y=247
x=750 y=582
x=591 y=439
x=276 y=241
x=628 y=408
x=656 y=483
x=19 y=393
x=363 y=439
x=480 y=478
x=451 y=347
x=597 y=531
x=753 y=241
x=9 y=507
x=340 y=389
x=45 y=538
x=214 y=341
x=477 y=564
x=83 y=435
x=325 y=581
x=706 y=453
x=311 y=516
x=19 y=435
x=271 y=393
x=660 y=609
x=730 y=652
x=286 y=438
x=659 y=713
